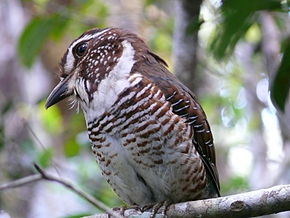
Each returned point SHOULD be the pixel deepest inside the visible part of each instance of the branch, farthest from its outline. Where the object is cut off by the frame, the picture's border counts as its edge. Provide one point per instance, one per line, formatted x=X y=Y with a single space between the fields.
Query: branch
x=255 y=203
x=46 y=176
x=21 y=182
x=76 y=190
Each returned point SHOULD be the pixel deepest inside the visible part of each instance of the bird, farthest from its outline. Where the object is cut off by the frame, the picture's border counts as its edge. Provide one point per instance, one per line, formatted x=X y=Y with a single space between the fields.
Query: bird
x=149 y=134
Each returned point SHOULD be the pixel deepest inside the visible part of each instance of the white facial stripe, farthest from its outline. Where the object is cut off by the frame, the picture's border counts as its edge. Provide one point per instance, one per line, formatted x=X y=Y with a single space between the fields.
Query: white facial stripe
x=70 y=58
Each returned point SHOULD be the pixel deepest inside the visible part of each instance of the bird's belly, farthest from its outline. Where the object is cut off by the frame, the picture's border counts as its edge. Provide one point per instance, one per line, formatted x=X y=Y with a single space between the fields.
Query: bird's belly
x=155 y=176
x=122 y=174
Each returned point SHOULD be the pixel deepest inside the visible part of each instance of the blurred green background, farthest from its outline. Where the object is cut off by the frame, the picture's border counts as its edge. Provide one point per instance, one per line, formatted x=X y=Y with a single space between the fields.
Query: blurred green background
x=234 y=54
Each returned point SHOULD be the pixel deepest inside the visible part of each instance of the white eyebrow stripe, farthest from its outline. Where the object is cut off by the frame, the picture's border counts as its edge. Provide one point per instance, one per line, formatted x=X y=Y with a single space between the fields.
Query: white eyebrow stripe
x=70 y=58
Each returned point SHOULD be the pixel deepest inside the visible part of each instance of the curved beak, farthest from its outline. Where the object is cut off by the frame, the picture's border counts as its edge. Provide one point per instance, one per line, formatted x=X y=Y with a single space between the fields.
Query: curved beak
x=60 y=92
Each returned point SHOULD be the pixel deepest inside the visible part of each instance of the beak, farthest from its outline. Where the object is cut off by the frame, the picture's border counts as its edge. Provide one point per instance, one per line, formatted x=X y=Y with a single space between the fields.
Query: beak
x=59 y=93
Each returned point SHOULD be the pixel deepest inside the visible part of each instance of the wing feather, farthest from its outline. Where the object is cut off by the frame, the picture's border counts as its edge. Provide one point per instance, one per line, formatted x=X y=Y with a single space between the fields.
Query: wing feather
x=184 y=104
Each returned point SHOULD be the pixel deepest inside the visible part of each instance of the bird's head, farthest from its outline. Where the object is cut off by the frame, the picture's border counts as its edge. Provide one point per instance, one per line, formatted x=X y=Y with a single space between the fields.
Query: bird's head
x=96 y=55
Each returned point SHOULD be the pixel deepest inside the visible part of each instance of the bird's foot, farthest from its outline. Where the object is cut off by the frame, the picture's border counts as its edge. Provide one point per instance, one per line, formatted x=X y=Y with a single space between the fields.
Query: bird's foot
x=121 y=210
x=155 y=208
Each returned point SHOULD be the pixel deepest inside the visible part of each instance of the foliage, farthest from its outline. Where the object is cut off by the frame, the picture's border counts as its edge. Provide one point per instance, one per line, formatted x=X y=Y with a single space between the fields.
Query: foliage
x=51 y=119
x=237 y=18
x=36 y=33
x=76 y=16
x=281 y=81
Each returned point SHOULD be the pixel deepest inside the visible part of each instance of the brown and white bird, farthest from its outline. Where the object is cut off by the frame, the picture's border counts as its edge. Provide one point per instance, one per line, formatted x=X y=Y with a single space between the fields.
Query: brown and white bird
x=150 y=136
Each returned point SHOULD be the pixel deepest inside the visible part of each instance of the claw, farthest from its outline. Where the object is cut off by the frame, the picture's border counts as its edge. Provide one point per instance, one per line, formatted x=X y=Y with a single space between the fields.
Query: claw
x=146 y=207
x=162 y=206
x=155 y=209
x=120 y=210
x=166 y=204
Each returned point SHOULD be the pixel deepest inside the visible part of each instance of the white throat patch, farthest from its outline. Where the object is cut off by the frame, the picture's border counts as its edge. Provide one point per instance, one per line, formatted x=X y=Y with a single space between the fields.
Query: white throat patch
x=111 y=86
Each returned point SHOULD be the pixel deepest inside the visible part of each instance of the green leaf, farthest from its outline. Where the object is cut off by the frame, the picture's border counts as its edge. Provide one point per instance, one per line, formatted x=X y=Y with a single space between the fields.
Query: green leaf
x=59 y=24
x=51 y=119
x=194 y=25
x=45 y=157
x=35 y=34
x=71 y=147
x=237 y=18
x=281 y=82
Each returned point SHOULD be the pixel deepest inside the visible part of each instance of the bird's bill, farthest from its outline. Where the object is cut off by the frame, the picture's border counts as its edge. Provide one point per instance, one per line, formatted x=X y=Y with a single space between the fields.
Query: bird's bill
x=60 y=92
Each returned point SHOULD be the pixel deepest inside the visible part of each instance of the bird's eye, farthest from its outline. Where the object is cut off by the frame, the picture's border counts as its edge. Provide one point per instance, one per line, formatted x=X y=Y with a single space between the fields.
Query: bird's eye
x=81 y=49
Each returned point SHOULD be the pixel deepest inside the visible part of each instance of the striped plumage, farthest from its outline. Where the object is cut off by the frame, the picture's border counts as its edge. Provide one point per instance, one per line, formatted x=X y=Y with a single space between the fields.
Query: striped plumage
x=149 y=134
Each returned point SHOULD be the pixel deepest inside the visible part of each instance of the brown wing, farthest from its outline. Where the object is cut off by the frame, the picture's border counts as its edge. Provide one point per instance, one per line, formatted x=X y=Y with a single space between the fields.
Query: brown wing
x=184 y=104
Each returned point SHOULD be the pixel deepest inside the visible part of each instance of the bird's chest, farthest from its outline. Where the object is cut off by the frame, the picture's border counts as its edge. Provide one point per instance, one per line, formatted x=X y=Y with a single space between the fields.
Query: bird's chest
x=144 y=150
x=140 y=155
x=116 y=143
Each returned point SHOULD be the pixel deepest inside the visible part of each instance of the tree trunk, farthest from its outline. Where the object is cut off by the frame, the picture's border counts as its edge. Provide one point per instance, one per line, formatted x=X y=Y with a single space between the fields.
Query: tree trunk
x=185 y=43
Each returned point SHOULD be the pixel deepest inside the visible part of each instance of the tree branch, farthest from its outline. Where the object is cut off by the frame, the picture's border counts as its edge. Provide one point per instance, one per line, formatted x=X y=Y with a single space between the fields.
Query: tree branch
x=21 y=182
x=46 y=176
x=255 y=203
x=185 y=43
x=250 y=204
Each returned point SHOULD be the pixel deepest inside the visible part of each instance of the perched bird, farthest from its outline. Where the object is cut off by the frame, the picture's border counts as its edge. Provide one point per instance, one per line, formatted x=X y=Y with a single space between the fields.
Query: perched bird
x=149 y=134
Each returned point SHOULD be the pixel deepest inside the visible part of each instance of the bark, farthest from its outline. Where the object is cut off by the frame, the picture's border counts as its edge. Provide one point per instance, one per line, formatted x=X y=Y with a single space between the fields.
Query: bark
x=185 y=43
x=251 y=204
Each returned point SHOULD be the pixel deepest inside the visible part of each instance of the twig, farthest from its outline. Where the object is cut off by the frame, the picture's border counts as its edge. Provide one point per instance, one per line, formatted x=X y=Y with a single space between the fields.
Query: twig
x=251 y=204
x=21 y=182
x=46 y=176
x=79 y=192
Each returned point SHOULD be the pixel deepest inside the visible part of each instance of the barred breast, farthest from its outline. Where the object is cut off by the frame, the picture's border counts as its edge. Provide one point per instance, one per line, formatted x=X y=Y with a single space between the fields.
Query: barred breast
x=145 y=150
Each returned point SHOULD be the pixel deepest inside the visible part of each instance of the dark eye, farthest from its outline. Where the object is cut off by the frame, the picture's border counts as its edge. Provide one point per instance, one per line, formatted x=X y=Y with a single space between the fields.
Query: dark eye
x=81 y=49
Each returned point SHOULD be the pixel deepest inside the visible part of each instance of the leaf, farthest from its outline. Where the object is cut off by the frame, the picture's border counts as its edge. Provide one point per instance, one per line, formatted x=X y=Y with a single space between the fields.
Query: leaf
x=194 y=25
x=281 y=82
x=51 y=119
x=237 y=18
x=71 y=147
x=35 y=34
x=58 y=25
x=45 y=157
